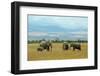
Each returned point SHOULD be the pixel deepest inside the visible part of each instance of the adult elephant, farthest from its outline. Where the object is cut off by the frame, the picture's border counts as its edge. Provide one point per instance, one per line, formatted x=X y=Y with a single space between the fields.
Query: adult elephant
x=65 y=46
x=76 y=46
x=46 y=45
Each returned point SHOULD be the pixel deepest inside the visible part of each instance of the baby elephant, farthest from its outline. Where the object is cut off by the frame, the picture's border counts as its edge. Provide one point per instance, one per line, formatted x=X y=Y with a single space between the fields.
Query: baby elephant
x=40 y=49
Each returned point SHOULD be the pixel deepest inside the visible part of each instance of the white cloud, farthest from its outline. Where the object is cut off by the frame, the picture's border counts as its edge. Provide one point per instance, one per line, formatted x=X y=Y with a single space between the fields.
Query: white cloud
x=37 y=34
x=63 y=35
x=52 y=35
x=57 y=33
x=80 y=33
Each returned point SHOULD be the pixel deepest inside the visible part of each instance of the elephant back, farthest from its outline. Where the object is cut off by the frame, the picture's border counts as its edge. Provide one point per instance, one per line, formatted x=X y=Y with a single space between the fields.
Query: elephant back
x=42 y=43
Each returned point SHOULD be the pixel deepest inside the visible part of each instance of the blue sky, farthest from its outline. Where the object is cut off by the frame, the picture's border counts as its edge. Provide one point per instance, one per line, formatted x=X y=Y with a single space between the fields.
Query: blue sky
x=62 y=27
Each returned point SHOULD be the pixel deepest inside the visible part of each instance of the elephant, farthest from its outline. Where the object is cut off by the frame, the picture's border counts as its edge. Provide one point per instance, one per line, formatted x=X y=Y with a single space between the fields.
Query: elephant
x=65 y=46
x=46 y=45
x=76 y=46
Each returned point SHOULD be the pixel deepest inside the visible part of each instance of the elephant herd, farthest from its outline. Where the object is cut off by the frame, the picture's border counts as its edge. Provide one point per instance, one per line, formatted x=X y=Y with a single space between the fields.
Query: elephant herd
x=47 y=45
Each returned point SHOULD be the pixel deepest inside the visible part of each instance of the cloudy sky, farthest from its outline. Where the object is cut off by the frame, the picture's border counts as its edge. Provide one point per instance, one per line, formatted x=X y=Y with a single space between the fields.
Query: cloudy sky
x=62 y=27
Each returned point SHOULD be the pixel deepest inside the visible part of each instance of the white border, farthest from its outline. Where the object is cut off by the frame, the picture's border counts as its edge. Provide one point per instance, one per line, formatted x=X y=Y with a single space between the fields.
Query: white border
x=24 y=64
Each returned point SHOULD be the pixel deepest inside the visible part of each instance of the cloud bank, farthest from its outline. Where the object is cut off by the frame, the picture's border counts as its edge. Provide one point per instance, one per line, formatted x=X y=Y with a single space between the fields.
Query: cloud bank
x=63 y=27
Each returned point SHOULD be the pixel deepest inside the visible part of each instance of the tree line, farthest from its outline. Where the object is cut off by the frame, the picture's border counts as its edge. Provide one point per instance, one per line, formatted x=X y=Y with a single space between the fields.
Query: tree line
x=58 y=41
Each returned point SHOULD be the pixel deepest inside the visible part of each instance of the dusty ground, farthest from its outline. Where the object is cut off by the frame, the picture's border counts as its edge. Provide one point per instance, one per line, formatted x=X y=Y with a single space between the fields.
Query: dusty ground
x=56 y=53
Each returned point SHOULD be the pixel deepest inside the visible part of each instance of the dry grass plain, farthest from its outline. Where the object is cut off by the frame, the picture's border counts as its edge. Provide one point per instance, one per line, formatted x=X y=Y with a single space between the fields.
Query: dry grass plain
x=57 y=52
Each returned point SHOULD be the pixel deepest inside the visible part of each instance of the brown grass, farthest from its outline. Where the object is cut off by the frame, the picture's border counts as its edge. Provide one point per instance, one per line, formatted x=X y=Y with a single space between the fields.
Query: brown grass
x=56 y=53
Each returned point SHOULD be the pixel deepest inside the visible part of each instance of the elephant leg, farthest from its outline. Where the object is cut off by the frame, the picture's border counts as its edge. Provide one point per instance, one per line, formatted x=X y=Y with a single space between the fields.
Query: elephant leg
x=48 y=48
x=80 y=49
x=51 y=48
x=73 y=49
x=67 y=47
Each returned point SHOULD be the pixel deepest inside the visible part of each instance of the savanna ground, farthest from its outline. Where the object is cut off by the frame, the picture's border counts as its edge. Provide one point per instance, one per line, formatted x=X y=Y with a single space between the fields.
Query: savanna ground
x=56 y=53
